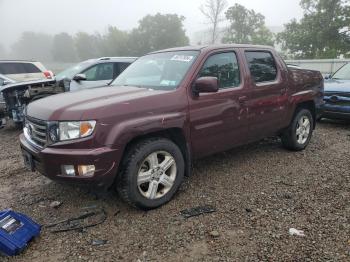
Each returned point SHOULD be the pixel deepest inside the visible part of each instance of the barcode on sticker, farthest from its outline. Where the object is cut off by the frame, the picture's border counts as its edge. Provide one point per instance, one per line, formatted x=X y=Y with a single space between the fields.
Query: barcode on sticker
x=182 y=58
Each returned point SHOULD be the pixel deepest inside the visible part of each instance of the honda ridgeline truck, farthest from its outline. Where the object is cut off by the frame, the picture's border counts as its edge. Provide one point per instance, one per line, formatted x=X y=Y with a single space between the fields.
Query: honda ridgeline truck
x=141 y=133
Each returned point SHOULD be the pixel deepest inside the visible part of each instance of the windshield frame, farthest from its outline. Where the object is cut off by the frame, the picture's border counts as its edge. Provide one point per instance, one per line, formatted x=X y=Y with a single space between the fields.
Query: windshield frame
x=196 y=54
x=335 y=78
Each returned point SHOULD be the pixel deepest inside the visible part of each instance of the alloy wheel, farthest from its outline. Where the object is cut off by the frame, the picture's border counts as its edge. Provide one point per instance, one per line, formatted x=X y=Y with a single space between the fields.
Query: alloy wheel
x=303 y=130
x=156 y=175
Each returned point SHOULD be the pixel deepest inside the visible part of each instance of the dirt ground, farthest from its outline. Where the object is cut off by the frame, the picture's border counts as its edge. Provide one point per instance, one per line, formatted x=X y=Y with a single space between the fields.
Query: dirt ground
x=260 y=191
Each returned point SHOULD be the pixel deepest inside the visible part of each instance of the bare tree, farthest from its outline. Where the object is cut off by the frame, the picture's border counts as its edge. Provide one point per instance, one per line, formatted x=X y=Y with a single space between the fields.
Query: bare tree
x=212 y=10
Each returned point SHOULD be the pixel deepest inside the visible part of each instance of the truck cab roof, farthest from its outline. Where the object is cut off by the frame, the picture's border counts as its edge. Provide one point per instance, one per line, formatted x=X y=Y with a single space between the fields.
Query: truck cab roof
x=213 y=47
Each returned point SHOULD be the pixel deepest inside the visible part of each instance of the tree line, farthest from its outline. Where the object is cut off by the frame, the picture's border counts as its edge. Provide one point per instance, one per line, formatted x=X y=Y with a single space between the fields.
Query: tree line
x=153 y=33
x=323 y=32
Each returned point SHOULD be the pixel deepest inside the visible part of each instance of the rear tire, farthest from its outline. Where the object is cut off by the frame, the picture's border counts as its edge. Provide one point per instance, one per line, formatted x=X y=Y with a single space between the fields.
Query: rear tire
x=151 y=174
x=299 y=133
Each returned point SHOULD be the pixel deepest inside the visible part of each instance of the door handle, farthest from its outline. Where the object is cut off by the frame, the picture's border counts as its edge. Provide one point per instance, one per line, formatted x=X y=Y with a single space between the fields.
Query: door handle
x=242 y=100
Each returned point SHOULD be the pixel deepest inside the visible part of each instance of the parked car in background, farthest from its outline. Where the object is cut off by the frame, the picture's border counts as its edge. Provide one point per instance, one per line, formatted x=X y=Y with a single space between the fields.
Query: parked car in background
x=337 y=95
x=141 y=132
x=4 y=81
x=24 y=70
x=93 y=73
x=17 y=95
x=88 y=74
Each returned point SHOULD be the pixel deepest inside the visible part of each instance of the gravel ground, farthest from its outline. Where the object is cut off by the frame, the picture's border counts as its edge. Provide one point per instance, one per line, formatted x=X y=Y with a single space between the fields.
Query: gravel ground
x=260 y=191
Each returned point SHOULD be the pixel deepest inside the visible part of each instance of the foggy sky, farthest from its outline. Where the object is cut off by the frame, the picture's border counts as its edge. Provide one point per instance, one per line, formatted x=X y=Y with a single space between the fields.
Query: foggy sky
x=55 y=16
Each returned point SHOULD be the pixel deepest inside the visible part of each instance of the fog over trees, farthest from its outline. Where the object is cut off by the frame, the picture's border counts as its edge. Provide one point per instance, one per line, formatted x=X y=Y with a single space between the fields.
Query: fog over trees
x=213 y=10
x=247 y=27
x=322 y=32
x=153 y=33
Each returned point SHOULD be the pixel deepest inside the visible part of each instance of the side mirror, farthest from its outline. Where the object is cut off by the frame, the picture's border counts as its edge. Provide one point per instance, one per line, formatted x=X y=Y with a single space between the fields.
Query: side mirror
x=206 y=84
x=328 y=77
x=79 y=77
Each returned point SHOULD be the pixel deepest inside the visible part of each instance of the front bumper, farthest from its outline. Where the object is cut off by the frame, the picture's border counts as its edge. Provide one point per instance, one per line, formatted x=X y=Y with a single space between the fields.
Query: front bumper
x=334 y=111
x=48 y=162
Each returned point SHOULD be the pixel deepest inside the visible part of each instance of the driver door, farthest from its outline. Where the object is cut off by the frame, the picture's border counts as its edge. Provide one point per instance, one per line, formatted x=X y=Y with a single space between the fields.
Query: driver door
x=219 y=120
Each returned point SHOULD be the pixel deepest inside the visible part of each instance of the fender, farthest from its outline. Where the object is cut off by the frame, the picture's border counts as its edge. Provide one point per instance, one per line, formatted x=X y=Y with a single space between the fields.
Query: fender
x=123 y=132
x=299 y=98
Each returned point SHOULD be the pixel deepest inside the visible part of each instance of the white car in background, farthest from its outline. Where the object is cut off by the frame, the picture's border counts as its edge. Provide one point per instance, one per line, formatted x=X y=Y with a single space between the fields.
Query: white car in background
x=23 y=71
x=93 y=73
x=4 y=81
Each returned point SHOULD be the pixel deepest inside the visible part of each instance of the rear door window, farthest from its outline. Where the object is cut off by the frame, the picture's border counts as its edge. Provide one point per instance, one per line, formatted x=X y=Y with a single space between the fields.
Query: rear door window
x=18 y=68
x=262 y=66
x=225 y=67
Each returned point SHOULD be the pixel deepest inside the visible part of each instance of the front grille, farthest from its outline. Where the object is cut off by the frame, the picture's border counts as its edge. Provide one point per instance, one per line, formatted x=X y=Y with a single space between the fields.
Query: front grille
x=36 y=130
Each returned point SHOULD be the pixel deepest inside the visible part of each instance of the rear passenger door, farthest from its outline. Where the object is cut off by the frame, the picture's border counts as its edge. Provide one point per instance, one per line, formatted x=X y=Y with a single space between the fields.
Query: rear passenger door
x=267 y=100
x=219 y=120
x=96 y=76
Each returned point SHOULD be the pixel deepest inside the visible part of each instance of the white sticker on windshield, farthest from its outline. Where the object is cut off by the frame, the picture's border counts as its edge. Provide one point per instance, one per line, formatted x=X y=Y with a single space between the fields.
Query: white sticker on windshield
x=182 y=58
x=167 y=83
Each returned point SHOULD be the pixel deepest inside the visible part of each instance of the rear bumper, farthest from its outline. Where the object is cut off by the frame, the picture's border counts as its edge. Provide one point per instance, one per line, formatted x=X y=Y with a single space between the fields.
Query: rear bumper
x=49 y=161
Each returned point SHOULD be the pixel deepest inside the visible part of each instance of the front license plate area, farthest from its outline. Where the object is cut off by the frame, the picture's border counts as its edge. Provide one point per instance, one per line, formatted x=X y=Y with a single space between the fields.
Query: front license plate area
x=28 y=160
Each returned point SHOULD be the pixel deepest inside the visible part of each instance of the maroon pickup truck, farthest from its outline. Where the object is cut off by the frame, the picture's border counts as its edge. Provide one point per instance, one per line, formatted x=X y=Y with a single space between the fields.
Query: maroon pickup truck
x=141 y=133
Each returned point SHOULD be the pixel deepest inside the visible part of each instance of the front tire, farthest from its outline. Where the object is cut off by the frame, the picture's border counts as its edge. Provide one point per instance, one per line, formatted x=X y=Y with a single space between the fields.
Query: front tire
x=152 y=172
x=298 y=135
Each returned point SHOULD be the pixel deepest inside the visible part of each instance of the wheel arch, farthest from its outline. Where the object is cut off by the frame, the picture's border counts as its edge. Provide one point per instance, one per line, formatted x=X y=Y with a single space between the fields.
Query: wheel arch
x=176 y=135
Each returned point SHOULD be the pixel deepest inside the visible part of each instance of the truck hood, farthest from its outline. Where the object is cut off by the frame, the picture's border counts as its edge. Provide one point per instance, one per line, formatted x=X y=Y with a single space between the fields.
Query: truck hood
x=85 y=104
x=335 y=85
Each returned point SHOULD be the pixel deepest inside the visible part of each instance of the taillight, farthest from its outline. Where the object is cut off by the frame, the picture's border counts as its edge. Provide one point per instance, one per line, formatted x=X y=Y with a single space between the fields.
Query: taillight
x=48 y=74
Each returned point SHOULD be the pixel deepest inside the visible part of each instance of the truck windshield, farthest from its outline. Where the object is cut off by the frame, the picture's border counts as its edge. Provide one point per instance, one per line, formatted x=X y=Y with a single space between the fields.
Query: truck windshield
x=163 y=71
x=343 y=73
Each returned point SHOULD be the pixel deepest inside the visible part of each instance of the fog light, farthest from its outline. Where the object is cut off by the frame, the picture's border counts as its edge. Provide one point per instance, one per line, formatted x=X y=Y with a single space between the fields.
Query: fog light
x=68 y=170
x=86 y=170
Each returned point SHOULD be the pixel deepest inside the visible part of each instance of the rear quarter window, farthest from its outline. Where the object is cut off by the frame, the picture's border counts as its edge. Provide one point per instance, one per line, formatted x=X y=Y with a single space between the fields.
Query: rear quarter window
x=262 y=66
x=18 y=68
x=119 y=68
x=30 y=68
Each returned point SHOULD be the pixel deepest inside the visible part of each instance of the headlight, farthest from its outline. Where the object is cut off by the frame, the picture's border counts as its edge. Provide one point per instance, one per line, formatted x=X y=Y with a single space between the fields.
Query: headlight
x=75 y=130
